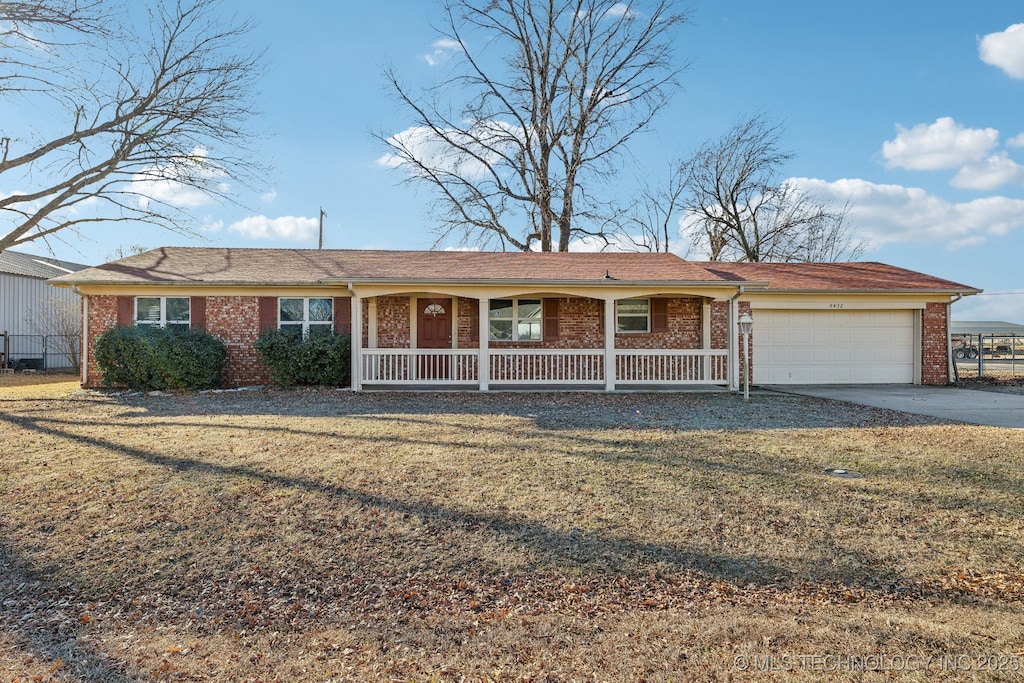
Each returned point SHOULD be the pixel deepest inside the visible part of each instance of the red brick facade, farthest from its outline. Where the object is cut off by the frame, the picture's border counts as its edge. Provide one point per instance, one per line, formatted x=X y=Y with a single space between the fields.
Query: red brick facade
x=235 y=320
x=934 y=345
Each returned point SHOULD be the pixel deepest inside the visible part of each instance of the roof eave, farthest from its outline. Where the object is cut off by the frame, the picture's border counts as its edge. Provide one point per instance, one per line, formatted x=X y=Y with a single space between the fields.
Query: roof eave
x=965 y=291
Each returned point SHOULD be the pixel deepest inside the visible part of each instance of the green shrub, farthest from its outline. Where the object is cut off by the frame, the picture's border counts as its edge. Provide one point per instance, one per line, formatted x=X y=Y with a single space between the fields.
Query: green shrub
x=320 y=360
x=157 y=359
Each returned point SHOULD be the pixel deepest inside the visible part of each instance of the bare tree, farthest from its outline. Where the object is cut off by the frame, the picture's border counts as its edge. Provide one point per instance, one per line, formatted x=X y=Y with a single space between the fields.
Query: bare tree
x=153 y=100
x=529 y=136
x=651 y=221
x=58 y=319
x=738 y=210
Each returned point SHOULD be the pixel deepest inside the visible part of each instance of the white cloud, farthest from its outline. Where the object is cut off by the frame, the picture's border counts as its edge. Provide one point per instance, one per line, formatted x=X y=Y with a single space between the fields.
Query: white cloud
x=620 y=9
x=995 y=171
x=1004 y=50
x=1016 y=141
x=1005 y=305
x=893 y=213
x=211 y=225
x=943 y=144
x=443 y=50
x=163 y=184
x=291 y=228
x=426 y=146
x=268 y=197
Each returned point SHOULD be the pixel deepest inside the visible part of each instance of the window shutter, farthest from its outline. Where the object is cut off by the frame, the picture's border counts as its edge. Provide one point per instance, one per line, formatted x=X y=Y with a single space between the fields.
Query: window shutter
x=268 y=312
x=125 y=310
x=550 y=319
x=600 y=315
x=197 y=314
x=343 y=315
x=474 y=321
x=659 y=315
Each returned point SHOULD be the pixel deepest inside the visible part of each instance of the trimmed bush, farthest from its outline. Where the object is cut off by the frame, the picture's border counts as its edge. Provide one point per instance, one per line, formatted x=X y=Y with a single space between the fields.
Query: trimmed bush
x=320 y=360
x=157 y=359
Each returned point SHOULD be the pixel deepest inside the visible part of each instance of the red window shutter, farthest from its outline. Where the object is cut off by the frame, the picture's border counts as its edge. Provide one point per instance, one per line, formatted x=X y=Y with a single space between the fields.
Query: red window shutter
x=474 y=321
x=125 y=311
x=268 y=312
x=343 y=314
x=600 y=316
x=197 y=315
x=550 y=319
x=659 y=315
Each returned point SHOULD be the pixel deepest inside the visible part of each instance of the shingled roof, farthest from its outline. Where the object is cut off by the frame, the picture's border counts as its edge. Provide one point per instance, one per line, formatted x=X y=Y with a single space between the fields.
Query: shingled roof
x=230 y=266
x=836 y=277
x=174 y=265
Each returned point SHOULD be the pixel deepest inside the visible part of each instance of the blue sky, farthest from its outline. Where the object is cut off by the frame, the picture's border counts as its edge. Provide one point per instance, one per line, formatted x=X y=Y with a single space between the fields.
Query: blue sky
x=910 y=109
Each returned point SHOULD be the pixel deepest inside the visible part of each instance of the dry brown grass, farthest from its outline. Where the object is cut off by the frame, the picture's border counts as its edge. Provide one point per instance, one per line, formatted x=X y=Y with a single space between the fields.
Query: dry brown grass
x=324 y=535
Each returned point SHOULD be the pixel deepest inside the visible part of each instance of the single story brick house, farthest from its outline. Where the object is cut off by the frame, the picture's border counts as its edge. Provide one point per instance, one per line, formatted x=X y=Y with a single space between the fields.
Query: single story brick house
x=488 y=320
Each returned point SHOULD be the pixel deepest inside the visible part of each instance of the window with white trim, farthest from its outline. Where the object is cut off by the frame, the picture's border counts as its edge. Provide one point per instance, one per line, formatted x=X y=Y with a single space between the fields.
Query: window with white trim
x=633 y=315
x=515 y=320
x=163 y=311
x=309 y=317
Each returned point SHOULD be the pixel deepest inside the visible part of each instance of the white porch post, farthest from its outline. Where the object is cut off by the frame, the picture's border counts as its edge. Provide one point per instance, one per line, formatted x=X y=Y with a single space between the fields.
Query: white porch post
x=357 y=342
x=484 y=361
x=609 y=345
x=705 y=337
x=734 y=352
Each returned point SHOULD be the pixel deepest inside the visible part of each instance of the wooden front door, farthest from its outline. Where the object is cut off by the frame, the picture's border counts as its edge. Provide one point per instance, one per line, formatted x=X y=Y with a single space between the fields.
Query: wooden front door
x=434 y=331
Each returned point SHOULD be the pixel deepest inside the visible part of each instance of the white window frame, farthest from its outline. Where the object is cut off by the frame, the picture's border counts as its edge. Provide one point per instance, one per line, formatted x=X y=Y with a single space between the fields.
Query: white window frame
x=516 y=319
x=646 y=316
x=306 y=322
x=177 y=323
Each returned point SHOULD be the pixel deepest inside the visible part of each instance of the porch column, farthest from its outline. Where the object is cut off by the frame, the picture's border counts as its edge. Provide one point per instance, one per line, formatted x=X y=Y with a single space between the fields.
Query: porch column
x=609 y=345
x=357 y=342
x=483 y=363
x=734 y=352
x=705 y=337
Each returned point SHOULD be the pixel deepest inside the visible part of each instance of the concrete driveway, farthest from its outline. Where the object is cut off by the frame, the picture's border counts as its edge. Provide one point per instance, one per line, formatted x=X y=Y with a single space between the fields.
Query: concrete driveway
x=963 y=405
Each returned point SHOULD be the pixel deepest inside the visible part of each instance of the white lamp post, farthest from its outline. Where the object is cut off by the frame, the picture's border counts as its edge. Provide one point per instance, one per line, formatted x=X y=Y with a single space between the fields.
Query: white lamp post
x=746 y=324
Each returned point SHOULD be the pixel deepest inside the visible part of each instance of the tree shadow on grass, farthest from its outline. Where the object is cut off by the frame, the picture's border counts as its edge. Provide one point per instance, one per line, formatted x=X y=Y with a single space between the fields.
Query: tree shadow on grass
x=557 y=547
x=34 y=615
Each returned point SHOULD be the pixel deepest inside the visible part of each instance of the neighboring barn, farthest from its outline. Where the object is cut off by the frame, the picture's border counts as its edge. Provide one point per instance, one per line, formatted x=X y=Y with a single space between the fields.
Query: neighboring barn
x=42 y=323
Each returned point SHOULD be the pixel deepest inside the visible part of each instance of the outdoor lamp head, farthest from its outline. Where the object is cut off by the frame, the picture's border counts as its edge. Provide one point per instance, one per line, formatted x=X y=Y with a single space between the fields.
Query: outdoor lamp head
x=746 y=323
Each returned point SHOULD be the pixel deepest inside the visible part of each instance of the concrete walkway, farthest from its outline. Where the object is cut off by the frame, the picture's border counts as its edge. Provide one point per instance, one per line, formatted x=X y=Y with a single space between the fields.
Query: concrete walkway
x=963 y=405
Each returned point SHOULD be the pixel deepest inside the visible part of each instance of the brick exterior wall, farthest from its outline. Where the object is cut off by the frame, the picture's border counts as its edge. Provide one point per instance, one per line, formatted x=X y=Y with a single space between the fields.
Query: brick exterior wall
x=235 y=321
x=465 y=310
x=934 y=344
x=102 y=316
x=580 y=326
x=393 y=329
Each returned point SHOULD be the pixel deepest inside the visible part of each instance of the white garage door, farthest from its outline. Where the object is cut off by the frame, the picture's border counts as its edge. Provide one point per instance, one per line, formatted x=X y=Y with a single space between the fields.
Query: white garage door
x=833 y=347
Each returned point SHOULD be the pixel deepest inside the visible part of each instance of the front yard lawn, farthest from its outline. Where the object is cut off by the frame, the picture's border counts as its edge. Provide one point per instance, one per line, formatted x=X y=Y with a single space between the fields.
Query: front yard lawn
x=324 y=535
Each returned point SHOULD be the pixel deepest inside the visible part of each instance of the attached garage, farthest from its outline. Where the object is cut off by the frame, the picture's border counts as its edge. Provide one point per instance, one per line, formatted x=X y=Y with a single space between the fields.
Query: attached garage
x=834 y=346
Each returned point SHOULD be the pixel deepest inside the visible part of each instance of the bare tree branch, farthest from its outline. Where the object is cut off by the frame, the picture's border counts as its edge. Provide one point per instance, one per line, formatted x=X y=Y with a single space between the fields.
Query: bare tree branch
x=509 y=149
x=151 y=117
x=739 y=211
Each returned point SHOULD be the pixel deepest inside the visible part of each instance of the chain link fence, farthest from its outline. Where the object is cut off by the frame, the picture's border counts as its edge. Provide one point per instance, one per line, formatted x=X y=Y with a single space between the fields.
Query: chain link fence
x=988 y=355
x=40 y=352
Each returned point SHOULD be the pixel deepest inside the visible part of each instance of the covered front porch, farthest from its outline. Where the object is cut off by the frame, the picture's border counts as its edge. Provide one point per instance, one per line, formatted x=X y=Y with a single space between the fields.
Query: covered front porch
x=515 y=338
x=518 y=368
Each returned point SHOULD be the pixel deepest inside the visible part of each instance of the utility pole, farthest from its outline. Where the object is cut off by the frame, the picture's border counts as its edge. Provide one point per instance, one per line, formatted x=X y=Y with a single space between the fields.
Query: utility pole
x=322 y=214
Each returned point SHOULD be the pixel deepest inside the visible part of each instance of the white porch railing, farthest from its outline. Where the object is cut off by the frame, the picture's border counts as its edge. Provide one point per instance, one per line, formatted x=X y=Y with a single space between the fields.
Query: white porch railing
x=422 y=366
x=543 y=366
x=547 y=366
x=654 y=366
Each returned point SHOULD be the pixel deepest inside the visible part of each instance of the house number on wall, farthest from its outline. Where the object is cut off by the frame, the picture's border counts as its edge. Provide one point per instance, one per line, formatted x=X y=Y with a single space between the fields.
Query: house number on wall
x=835 y=305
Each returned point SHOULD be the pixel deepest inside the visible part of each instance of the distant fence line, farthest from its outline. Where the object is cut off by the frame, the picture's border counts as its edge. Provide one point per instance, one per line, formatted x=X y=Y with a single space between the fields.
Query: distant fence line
x=988 y=355
x=40 y=352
